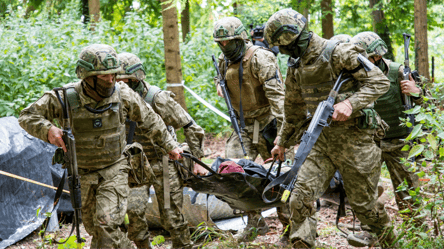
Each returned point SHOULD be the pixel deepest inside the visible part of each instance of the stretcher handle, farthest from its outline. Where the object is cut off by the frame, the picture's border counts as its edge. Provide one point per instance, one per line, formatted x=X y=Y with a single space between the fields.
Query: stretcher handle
x=196 y=160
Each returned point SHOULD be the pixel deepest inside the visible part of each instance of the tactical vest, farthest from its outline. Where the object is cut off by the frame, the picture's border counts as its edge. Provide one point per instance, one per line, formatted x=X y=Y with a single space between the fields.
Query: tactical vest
x=389 y=106
x=253 y=95
x=151 y=150
x=316 y=80
x=100 y=137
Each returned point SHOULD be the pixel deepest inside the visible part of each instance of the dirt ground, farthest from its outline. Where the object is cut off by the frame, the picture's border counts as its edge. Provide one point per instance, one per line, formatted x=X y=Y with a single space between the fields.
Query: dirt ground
x=329 y=235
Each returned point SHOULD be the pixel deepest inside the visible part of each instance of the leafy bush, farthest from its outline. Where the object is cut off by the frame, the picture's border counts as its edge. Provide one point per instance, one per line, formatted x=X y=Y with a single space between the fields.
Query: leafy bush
x=427 y=143
x=40 y=53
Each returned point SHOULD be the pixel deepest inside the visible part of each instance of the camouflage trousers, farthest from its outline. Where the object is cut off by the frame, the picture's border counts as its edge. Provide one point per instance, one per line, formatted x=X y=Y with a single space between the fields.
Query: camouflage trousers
x=354 y=153
x=172 y=219
x=104 y=204
x=137 y=209
x=391 y=154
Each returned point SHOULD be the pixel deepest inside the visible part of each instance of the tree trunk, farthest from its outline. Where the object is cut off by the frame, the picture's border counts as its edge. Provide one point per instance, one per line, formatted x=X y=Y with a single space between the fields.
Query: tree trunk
x=327 y=19
x=302 y=6
x=421 y=46
x=185 y=20
x=94 y=10
x=173 y=67
x=380 y=28
x=85 y=11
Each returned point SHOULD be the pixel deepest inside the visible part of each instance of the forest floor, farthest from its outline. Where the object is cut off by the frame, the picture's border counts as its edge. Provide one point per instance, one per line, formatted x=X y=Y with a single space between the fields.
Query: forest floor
x=329 y=235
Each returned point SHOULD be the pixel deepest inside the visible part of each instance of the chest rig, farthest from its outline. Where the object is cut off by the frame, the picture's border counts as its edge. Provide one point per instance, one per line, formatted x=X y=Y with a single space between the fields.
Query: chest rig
x=317 y=79
x=99 y=133
x=251 y=91
x=389 y=106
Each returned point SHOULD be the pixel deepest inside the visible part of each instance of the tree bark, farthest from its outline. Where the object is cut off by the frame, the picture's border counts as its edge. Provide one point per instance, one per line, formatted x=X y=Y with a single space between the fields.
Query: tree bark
x=185 y=20
x=421 y=45
x=94 y=10
x=380 y=28
x=327 y=19
x=173 y=66
x=303 y=7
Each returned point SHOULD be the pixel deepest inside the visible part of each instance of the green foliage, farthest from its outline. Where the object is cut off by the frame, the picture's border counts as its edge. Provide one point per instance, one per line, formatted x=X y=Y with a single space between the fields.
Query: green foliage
x=158 y=240
x=71 y=243
x=428 y=147
x=207 y=234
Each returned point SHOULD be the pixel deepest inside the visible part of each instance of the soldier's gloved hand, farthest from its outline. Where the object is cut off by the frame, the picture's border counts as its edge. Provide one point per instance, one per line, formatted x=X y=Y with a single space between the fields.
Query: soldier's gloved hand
x=55 y=137
x=199 y=170
x=219 y=91
x=409 y=86
x=278 y=151
x=343 y=110
x=175 y=154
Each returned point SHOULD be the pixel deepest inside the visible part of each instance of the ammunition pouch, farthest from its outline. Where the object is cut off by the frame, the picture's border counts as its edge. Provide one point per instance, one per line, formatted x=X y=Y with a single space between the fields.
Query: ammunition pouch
x=368 y=120
x=141 y=172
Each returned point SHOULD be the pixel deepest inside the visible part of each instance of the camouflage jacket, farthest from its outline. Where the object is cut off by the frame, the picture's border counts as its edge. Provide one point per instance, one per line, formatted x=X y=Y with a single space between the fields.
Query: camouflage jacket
x=371 y=84
x=39 y=117
x=174 y=115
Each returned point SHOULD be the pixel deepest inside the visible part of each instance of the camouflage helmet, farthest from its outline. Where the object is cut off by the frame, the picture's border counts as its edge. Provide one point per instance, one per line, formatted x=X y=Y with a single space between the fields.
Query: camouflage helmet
x=97 y=59
x=344 y=38
x=132 y=67
x=371 y=42
x=229 y=28
x=283 y=27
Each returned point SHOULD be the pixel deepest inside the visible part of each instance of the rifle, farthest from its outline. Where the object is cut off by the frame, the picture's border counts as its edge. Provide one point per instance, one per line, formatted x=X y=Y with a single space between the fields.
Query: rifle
x=231 y=113
x=406 y=74
x=70 y=164
x=323 y=112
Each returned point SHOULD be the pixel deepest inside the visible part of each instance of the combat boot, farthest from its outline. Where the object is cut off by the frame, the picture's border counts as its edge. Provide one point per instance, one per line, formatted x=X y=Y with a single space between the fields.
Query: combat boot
x=256 y=226
x=362 y=239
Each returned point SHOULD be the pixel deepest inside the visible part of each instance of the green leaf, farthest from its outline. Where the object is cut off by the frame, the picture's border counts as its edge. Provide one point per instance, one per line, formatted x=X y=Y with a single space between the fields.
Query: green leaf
x=38 y=212
x=126 y=219
x=432 y=141
x=415 y=132
x=159 y=239
x=414 y=110
x=405 y=211
x=441 y=151
x=416 y=150
x=406 y=148
x=71 y=243
x=421 y=174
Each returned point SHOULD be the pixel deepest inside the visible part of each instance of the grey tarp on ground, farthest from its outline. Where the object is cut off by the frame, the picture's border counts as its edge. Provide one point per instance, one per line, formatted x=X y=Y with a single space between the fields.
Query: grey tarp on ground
x=24 y=155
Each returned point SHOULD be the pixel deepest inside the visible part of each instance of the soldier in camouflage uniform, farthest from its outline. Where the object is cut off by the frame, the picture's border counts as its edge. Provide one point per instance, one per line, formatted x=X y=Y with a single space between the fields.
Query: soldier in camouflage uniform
x=344 y=38
x=175 y=117
x=257 y=94
x=390 y=107
x=314 y=65
x=98 y=109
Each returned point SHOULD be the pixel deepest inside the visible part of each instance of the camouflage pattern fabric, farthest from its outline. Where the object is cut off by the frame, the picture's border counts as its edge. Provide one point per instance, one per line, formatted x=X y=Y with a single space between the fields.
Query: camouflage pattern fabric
x=132 y=67
x=352 y=152
x=341 y=147
x=97 y=59
x=283 y=27
x=137 y=209
x=172 y=219
x=105 y=191
x=372 y=85
x=391 y=154
x=371 y=42
x=342 y=38
x=263 y=66
x=104 y=201
x=229 y=28
x=173 y=115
